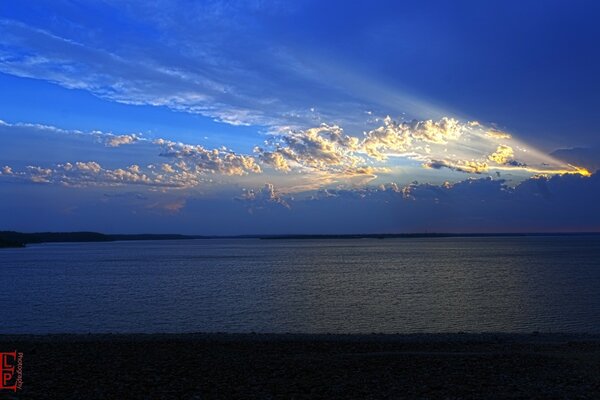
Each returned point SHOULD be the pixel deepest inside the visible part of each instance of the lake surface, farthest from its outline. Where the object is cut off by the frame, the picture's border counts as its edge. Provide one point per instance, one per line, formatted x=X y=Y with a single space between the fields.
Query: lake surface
x=504 y=284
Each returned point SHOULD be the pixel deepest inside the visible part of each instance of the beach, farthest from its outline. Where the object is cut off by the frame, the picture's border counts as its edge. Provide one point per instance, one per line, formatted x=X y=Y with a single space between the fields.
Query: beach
x=263 y=366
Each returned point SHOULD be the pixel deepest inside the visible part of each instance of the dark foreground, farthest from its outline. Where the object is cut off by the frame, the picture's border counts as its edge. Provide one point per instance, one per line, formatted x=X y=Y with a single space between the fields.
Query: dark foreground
x=207 y=366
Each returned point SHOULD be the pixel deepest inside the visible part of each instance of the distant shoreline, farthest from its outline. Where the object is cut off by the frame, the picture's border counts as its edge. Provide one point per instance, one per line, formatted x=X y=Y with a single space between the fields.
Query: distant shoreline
x=12 y=239
x=425 y=235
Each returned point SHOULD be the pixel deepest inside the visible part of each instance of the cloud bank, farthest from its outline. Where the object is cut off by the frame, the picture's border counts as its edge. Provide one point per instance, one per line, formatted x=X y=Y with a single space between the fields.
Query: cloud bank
x=298 y=160
x=541 y=204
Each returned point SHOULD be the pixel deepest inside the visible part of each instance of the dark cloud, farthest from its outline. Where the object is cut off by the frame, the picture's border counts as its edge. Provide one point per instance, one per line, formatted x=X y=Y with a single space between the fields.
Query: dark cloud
x=587 y=157
x=559 y=203
x=265 y=197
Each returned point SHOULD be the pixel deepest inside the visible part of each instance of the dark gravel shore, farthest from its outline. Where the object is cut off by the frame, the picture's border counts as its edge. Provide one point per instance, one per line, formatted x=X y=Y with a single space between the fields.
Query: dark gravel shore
x=207 y=366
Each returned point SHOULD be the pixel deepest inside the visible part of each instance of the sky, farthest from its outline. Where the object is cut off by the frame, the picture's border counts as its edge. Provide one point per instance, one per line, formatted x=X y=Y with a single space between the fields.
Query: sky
x=277 y=117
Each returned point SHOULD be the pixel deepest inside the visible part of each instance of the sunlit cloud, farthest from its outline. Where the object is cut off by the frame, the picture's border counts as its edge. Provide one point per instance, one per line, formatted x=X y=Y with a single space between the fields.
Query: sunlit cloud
x=321 y=148
x=297 y=160
x=470 y=167
x=343 y=137
x=91 y=173
x=395 y=138
x=200 y=159
x=447 y=143
x=119 y=140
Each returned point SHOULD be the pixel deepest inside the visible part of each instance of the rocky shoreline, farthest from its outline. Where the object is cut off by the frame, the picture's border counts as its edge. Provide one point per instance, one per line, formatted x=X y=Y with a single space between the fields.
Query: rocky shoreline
x=263 y=366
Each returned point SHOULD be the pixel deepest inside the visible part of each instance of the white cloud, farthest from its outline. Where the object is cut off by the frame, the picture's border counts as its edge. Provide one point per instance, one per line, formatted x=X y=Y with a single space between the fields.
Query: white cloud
x=296 y=160
x=119 y=140
x=146 y=79
x=323 y=148
x=495 y=134
x=91 y=173
x=210 y=161
x=446 y=143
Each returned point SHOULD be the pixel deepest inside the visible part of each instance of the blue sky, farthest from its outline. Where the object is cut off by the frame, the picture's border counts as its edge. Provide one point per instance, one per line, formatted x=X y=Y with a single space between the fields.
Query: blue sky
x=235 y=117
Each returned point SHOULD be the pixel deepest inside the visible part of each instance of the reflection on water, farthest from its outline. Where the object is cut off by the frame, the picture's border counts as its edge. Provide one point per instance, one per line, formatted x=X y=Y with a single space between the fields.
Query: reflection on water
x=519 y=284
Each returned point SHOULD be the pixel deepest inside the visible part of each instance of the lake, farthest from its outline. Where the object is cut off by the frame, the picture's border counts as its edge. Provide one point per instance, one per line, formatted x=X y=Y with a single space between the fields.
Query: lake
x=405 y=285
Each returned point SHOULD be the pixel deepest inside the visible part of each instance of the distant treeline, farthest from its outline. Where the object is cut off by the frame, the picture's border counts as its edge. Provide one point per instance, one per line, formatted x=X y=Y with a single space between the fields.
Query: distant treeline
x=19 y=239
x=10 y=243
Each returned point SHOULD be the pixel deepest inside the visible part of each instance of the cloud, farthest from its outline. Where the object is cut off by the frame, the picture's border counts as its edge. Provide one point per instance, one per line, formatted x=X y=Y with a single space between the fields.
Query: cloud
x=229 y=65
x=389 y=137
x=159 y=162
x=295 y=160
x=262 y=198
x=37 y=53
x=471 y=190
x=583 y=156
x=92 y=174
x=109 y=139
x=400 y=137
x=197 y=68
x=167 y=168
x=544 y=204
x=471 y=167
x=323 y=148
x=328 y=148
x=202 y=160
x=496 y=134
x=273 y=158
x=119 y=140
x=90 y=166
x=194 y=164
x=447 y=143
x=203 y=72
x=504 y=156
x=168 y=206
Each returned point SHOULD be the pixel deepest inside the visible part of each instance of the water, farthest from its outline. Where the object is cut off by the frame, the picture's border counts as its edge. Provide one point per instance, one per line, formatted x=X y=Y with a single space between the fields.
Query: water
x=519 y=284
